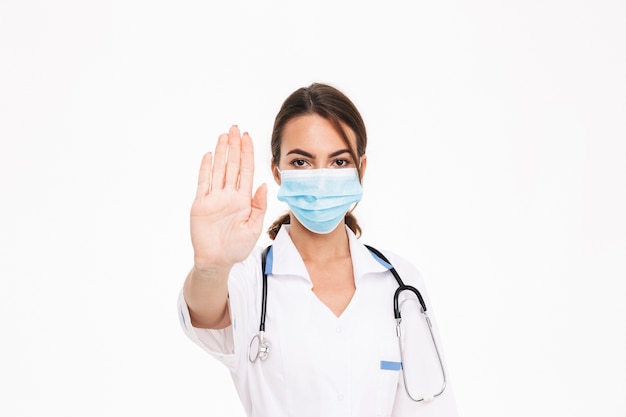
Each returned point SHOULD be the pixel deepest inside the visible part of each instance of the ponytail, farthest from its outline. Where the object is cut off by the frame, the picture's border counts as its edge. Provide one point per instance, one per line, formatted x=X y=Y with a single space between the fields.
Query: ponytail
x=350 y=221
x=353 y=224
x=275 y=227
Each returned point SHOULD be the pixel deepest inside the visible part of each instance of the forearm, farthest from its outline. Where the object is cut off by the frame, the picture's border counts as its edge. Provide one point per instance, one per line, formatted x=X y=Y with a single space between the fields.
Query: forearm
x=206 y=295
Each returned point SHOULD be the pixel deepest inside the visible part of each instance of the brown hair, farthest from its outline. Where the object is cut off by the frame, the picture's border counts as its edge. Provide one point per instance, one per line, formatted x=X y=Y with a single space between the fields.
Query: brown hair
x=331 y=104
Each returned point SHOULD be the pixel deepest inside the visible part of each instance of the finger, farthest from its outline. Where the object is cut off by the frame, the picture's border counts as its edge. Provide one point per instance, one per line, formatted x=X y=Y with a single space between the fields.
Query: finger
x=219 y=162
x=234 y=158
x=247 y=163
x=204 y=177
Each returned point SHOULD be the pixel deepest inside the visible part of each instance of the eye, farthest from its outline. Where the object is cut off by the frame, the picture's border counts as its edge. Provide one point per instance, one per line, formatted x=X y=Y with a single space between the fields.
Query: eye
x=299 y=163
x=341 y=163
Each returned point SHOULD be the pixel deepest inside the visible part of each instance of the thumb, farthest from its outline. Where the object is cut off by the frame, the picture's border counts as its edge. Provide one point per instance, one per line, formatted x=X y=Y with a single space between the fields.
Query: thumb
x=259 y=205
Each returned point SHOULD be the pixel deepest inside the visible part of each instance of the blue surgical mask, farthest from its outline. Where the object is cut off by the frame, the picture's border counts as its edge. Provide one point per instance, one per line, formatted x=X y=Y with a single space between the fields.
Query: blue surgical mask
x=320 y=198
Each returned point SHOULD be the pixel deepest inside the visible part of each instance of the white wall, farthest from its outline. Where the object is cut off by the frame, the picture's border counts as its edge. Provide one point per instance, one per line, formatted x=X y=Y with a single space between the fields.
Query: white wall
x=497 y=162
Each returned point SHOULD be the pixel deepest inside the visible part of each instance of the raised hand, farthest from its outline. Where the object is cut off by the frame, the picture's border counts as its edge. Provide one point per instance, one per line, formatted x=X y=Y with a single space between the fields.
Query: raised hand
x=226 y=220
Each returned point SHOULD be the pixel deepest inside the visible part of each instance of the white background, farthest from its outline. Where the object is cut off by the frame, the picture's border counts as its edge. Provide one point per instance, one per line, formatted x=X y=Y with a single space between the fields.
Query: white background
x=497 y=163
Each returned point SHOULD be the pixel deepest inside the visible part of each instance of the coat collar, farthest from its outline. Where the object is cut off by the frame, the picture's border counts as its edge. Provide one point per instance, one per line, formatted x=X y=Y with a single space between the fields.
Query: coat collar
x=286 y=259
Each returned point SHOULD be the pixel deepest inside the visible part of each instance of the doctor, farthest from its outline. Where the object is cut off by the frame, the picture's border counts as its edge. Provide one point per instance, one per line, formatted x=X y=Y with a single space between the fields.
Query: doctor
x=319 y=338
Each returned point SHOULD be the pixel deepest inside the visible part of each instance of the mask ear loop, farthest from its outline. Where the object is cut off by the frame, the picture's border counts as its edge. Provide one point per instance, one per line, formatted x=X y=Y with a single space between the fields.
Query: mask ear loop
x=360 y=182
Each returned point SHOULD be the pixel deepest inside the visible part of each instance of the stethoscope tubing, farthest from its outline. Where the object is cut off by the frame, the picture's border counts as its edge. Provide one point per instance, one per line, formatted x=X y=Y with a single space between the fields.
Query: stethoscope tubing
x=264 y=289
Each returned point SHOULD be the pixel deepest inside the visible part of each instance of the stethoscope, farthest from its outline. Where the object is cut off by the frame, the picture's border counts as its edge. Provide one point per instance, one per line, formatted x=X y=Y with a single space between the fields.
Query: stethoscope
x=263 y=348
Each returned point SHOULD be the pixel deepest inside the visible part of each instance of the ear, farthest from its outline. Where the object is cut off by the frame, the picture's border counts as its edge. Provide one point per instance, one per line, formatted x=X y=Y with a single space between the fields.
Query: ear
x=275 y=173
x=363 y=165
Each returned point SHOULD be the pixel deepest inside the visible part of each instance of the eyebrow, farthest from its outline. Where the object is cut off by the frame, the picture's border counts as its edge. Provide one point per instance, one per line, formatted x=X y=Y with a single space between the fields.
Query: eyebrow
x=308 y=155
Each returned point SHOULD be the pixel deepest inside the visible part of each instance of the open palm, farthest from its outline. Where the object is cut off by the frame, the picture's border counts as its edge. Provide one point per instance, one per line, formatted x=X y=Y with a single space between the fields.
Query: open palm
x=226 y=220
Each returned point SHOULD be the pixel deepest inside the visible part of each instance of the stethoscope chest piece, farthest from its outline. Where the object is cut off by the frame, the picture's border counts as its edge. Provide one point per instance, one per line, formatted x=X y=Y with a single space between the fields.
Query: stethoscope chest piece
x=259 y=349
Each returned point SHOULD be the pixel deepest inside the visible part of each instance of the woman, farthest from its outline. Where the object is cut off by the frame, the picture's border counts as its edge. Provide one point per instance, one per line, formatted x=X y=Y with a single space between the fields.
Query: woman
x=329 y=345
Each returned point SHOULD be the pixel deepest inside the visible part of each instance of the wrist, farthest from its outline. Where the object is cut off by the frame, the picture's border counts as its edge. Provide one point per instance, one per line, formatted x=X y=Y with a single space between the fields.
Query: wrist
x=210 y=269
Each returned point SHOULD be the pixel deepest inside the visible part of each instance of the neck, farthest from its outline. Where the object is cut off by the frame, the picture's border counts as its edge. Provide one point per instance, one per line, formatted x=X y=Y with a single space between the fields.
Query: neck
x=317 y=247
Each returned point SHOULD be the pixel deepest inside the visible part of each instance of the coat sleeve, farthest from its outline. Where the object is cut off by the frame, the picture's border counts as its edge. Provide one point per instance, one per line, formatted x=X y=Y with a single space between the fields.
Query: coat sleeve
x=229 y=345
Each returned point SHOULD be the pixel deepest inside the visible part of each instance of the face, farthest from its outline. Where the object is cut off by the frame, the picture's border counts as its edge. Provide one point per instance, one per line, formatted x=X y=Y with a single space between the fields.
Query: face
x=311 y=142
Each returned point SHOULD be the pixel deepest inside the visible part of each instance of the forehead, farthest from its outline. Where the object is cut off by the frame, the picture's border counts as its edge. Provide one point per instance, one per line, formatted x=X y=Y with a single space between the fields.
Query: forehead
x=312 y=130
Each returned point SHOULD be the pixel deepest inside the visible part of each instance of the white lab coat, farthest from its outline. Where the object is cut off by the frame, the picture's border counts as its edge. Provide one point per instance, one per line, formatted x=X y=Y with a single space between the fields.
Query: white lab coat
x=320 y=364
